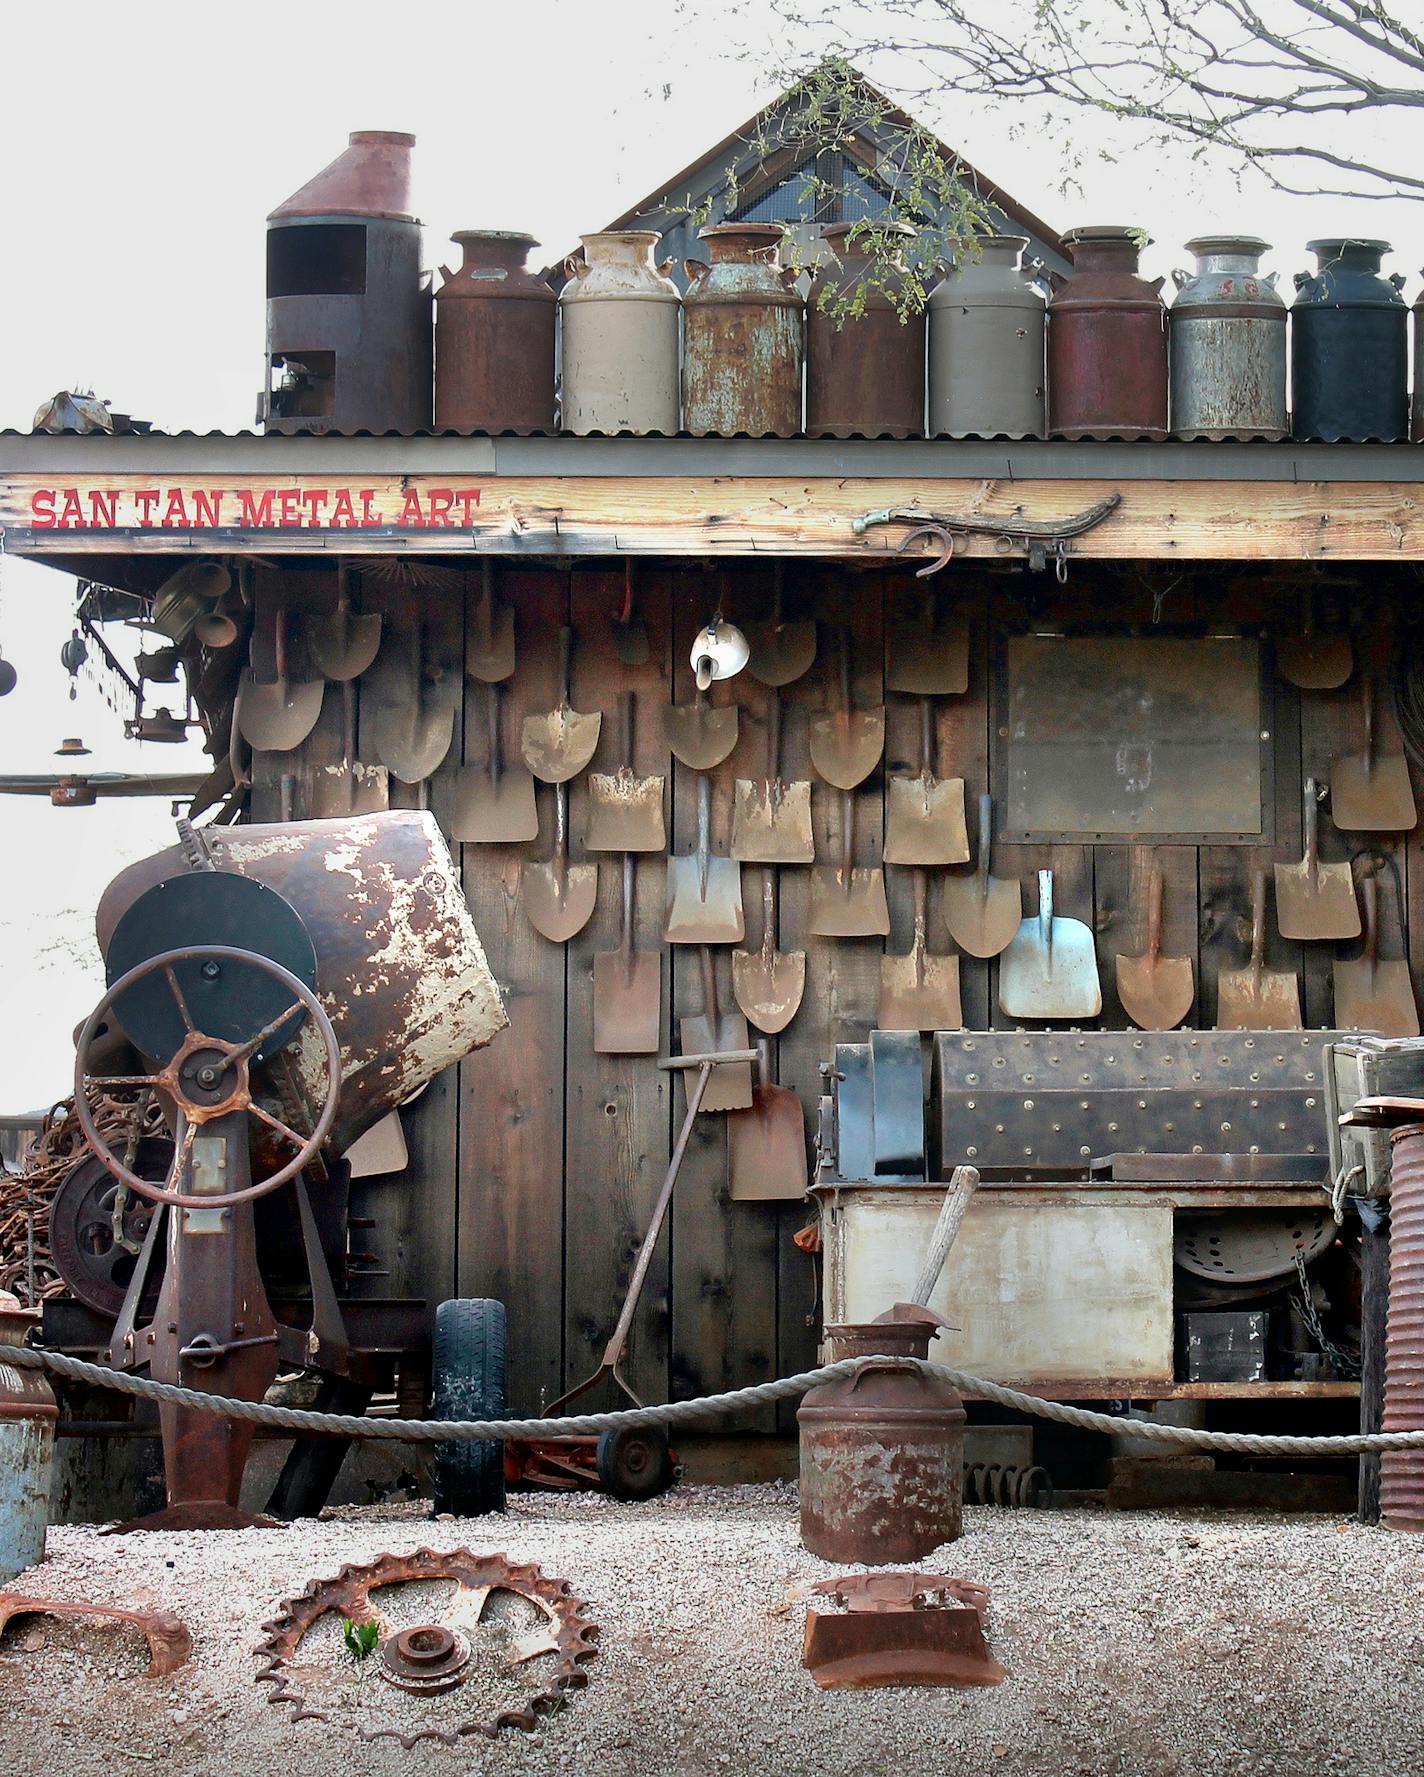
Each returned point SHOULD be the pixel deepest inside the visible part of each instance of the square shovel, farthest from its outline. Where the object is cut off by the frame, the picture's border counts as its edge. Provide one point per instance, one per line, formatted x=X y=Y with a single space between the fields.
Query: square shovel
x=1315 y=900
x=704 y=893
x=1050 y=970
x=1370 y=793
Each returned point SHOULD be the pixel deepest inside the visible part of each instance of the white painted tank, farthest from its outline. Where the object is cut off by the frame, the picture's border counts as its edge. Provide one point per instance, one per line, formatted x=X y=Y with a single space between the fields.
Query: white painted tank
x=27 y=1416
x=620 y=317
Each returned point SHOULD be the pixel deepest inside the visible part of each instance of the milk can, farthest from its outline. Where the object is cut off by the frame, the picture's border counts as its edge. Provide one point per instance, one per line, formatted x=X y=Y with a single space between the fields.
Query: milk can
x=864 y=373
x=1349 y=345
x=882 y=1452
x=620 y=321
x=1227 y=333
x=1107 y=341
x=986 y=325
x=494 y=337
x=743 y=319
x=27 y=1416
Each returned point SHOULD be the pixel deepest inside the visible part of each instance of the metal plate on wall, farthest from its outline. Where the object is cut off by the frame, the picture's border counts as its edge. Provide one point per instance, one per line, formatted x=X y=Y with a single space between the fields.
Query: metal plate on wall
x=1133 y=737
x=880 y=1108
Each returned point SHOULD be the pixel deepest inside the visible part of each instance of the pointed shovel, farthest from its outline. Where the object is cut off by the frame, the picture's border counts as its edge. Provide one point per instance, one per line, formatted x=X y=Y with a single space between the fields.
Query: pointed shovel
x=1313 y=662
x=625 y=812
x=411 y=720
x=1156 y=991
x=559 y=896
x=699 y=735
x=1315 y=900
x=558 y=746
x=704 y=893
x=766 y=1144
x=1370 y=794
x=1051 y=968
x=846 y=744
x=627 y=988
x=780 y=651
x=769 y=983
x=277 y=717
x=847 y=902
x=919 y=991
x=924 y=815
x=982 y=911
x=494 y=803
x=489 y=651
x=1257 y=998
x=1369 y=994
x=343 y=645
x=713 y=1031
x=771 y=820
x=923 y=656
x=349 y=787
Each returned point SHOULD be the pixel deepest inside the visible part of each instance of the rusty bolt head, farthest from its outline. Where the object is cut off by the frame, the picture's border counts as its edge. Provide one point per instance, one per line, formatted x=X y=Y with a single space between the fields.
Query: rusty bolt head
x=425 y=1660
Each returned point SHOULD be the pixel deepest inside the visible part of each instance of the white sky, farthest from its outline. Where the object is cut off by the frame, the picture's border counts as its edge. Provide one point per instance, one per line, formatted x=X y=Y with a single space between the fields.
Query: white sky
x=146 y=143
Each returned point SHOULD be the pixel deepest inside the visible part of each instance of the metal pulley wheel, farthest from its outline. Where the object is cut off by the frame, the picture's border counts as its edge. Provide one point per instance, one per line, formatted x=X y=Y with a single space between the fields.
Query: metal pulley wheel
x=97 y=1226
x=1251 y=1246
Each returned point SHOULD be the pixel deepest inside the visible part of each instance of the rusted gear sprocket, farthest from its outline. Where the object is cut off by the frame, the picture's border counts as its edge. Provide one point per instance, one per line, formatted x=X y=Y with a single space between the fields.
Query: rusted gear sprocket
x=569 y=1634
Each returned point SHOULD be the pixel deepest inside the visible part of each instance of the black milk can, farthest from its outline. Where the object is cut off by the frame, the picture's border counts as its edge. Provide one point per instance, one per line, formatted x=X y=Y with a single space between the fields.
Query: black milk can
x=1349 y=346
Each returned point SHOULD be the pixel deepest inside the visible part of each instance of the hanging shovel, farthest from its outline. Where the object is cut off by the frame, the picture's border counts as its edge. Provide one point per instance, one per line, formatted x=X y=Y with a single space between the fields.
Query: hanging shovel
x=1315 y=900
x=766 y=1144
x=625 y=813
x=698 y=734
x=712 y=1031
x=1313 y=662
x=769 y=983
x=846 y=744
x=982 y=911
x=494 y=804
x=556 y=747
x=559 y=896
x=1369 y=994
x=489 y=648
x=919 y=991
x=704 y=893
x=279 y=716
x=1369 y=794
x=1257 y=998
x=924 y=815
x=349 y=787
x=771 y=820
x=412 y=721
x=924 y=657
x=1050 y=970
x=630 y=638
x=847 y=902
x=1156 y=991
x=343 y=645
x=627 y=988
x=780 y=652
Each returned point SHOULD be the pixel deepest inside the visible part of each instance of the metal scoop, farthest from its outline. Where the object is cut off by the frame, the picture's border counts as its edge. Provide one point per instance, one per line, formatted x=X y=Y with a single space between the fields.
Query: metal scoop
x=1050 y=970
x=1369 y=994
x=713 y=1031
x=771 y=820
x=494 y=803
x=780 y=651
x=698 y=734
x=277 y=717
x=411 y=719
x=919 y=991
x=923 y=656
x=847 y=744
x=559 y=897
x=766 y=1143
x=704 y=893
x=627 y=988
x=847 y=902
x=1257 y=998
x=1315 y=900
x=769 y=984
x=558 y=746
x=625 y=812
x=1156 y=991
x=982 y=911
x=349 y=787
x=343 y=645
x=1370 y=794
x=489 y=645
x=924 y=815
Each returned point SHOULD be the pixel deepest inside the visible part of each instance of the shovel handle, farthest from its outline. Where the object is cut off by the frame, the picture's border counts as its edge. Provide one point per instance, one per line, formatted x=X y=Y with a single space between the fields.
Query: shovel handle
x=963 y=1183
x=1369 y=903
x=1045 y=908
x=496 y=742
x=704 y=832
x=625 y=729
x=844 y=711
x=1154 y=913
x=707 y=969
x=671 y=1064
x=768 y=914
x=1258 y=921
x=625 y=942
x=1310 y=829
x=847 y=837
x=279 y=642
x=348 y=723
x=1367 y=702
x=561 y=837
x=343 y=590
x=986 y=841
x=625 y=613
x=773 y=737
x=927 y=727
x=777 y=585
x=566 y=661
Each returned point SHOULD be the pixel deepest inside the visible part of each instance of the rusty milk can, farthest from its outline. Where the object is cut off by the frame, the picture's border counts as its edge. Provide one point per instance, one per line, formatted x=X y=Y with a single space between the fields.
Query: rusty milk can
x=494 y=337
x=987 y=325
x=882 y=1452
x=1107 y=340
x=864 y=373
x=1416 y=410
x=1349 y=345
x=743 y=319
x=620 y=319
x=1227 y=334
x=27 y=1416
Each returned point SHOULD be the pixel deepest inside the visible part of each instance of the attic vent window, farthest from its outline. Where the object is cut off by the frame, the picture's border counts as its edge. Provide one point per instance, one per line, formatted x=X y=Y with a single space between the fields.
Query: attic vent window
x=317 y=259
x=827 y=187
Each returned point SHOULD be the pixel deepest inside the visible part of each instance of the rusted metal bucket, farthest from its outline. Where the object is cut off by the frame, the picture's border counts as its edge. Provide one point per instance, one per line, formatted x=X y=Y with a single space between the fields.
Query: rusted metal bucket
x=1257 y=998
x=714 y=1032
x=919 y=991
x=559 y=897
x=769 y=983
x=766 y=1144
x=625 y=812
x=278 y=716
x=924 y=815
x=982 y=911
x=1315 y=900
x=846 y=744
x=847 y=902
x=558 y=746
x=925 y=657
x=350 y=787
x=1369 y=994
x=1370 y=793
x=627 y=987
x=1157 y=992
x=342 y=645
x=780 y=651
x=1311 y=659
x=900 y=1629
x=494 y=803
x=704 y=893
x=1050 y=970
x=771 y=820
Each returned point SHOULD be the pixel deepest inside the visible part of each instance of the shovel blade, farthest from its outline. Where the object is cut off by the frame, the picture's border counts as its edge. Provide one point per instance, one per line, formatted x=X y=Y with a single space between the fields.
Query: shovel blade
x=490 y=658
x=627 y=1001
x=769 y=994
x=558 y=917
x=1321 y=908
x=558 y=746
x=1315 y=662
x=1267 y=1000
x=625 y=812
x=924 y=821
x=278 y=717
x=859 y=1650
x=697 y=918
x=928 y=662
x=487 y=813
x=920 y=993
x=353 y=788
x=846 y=749
x=771 y=822
x=343 y=647
x=410 y=739
x=1058 y=979
x=699 y=735
x=1156 y=992
x=1375 y=996
x=729 y=1088
x=780 y=652
x=766 y=1148
x=848 y=909
x=1372 y=797
x=981 y=927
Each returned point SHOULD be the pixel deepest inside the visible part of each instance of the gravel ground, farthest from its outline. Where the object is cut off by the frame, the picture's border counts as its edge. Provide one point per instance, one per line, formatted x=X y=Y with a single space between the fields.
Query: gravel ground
x=1151 y=1643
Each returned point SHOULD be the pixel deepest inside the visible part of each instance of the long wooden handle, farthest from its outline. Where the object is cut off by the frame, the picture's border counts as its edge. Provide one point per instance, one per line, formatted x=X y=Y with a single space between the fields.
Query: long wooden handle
x=986 y=840
x=1258 y=921
x=963 y=1183
x=1154 y=914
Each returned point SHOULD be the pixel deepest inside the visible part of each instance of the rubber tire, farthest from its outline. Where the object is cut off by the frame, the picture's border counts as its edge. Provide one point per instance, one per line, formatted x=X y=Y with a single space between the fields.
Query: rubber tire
x=468 y=1376
x=635 y=1462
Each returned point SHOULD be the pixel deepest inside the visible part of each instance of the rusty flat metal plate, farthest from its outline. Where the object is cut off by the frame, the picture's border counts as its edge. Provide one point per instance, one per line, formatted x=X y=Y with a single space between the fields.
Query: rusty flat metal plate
x=1134 y=737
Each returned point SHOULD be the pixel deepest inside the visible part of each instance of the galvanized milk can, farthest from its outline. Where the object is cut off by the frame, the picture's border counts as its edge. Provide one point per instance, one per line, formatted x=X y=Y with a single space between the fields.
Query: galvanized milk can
x=27 y=1416
x=1227 y=334
x=1107 y=341
x=882 y=1452
x=494 y=337
x=743 y=320
x=620 y=341
x=987 y=323
x=1349 y=345
x=864 y=373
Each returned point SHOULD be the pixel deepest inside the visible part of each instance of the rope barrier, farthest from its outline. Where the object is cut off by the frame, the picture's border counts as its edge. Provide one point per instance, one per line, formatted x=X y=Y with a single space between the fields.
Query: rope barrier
x=718 y=1406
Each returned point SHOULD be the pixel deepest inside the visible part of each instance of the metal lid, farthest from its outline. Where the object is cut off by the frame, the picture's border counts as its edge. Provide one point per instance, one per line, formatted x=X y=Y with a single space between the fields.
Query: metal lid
x=510 y=237
x=838 y=232
x=766 y=231
x=1228 y=243
x=1106 y=232
x=1332 y=246
x=370 y=177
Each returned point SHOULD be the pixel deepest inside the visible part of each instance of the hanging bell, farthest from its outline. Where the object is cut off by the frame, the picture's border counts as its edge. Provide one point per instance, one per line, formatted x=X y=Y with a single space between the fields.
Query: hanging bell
x=216 y=630
x=162 y=726
x=71 y=748
x=8 y=677
x=720 y=652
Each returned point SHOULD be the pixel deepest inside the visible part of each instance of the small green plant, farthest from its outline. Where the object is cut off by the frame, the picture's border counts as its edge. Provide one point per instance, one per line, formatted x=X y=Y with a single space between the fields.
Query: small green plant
x=360 y=1639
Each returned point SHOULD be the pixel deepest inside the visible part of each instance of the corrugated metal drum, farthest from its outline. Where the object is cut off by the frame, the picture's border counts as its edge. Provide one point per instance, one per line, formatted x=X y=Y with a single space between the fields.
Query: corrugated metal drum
x=865 y=373
x=986 y=345
x=494 y=337
x=1107 y=340
x=1227 y=333
x=743 y=320
x=1349 y=345
x=1402 y=1471
x=620 y=337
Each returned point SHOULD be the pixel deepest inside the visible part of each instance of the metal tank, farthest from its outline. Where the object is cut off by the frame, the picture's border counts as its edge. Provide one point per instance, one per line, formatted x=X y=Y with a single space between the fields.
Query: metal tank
x=882 y=1452
x=1402 y=1471
x=986 y=336
x=1227 y=337
x=27 y=1418
x=865 y=373
x=620 y=315
x=1349 y=345
x=494 y=337
x=743 y=321
x=1107 y=340
x=348 y=308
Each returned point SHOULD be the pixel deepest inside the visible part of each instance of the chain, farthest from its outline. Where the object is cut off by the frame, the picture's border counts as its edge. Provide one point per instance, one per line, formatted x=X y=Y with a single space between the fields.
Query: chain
x=1303 y=1301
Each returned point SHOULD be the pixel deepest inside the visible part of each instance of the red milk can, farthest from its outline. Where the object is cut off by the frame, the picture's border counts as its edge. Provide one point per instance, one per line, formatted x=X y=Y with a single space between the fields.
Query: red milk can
x=865 y=373
x=494 y=338
x=1107 y=341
